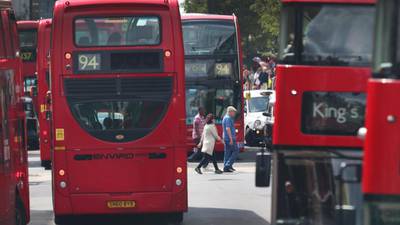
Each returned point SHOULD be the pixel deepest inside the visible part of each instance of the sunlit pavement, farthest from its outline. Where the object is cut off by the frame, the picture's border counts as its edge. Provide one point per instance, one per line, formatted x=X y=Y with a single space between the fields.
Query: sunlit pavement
x=227 y=199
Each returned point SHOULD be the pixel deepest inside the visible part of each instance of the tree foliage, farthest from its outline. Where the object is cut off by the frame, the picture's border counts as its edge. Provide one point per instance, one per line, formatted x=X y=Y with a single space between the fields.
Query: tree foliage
x=198 y=6
x=258 y=19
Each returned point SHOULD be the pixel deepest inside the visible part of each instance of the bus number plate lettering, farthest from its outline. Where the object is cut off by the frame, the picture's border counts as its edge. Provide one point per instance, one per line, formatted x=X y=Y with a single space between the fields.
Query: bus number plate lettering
x=89 y=62
x=121 y=204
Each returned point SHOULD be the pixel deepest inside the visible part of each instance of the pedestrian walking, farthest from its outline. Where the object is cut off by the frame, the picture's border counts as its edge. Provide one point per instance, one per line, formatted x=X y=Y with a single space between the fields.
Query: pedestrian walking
x=231 y=150
x=199 y=122
x=207 y=144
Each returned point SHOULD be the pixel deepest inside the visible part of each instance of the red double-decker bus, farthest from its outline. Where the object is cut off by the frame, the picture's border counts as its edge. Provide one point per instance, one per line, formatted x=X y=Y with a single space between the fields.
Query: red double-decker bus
x=381 y=177
x=43 y=80
x=325 y=54
x=118 y=110
x=213 y=62
x=14 y=186
x=27 y=31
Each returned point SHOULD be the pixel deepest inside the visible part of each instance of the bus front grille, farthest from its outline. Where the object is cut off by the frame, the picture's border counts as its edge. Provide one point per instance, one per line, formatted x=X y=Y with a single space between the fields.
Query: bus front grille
x=149 y=87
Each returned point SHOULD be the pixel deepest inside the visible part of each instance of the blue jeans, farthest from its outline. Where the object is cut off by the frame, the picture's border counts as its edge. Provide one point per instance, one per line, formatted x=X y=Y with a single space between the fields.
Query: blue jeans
x=230 y=154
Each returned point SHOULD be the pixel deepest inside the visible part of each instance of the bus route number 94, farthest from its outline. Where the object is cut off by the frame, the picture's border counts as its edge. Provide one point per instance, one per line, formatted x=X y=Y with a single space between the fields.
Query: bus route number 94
x=89 y=62
x=223 y=69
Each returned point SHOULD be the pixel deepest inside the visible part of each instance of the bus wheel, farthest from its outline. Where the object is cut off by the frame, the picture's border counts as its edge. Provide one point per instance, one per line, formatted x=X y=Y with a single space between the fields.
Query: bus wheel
x=20 y=214
x=63 y=220
x=176 y=218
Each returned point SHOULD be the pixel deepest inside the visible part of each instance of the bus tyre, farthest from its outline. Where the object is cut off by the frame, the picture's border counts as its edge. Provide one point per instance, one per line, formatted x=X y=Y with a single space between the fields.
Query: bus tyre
x=176 y=218
x=62 y=220
x=20 y=213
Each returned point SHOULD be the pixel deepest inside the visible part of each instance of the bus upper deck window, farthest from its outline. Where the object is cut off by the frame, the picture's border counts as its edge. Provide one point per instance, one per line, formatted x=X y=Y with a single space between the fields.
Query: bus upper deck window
x=117 y=31
x=3 y=53
x=209 y=38
x=327 y=34
x=28 y=38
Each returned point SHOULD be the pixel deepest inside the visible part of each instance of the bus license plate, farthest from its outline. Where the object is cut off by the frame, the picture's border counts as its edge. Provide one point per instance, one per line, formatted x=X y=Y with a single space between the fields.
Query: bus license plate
x=121 y=204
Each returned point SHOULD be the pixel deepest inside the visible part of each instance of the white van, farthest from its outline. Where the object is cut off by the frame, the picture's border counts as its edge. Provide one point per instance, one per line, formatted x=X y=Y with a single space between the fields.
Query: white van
x=256 y=105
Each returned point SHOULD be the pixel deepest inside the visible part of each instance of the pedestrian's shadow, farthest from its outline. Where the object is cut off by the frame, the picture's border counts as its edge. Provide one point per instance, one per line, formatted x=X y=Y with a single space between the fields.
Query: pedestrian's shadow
x=195 y=216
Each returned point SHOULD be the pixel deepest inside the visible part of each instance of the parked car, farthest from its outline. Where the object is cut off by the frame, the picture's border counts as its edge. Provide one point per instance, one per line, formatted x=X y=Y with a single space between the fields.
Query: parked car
x=256 y=109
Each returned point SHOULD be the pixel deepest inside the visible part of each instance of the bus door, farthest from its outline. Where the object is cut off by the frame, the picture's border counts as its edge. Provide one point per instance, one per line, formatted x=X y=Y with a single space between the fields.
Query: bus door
x=7 y=177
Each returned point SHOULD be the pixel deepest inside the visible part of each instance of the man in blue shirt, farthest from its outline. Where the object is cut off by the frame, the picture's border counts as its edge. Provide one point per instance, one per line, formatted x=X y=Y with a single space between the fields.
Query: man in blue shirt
x=231 y=150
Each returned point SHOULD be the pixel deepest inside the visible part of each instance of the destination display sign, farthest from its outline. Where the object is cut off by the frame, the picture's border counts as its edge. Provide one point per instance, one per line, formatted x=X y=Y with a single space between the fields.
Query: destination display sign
x=333 y=113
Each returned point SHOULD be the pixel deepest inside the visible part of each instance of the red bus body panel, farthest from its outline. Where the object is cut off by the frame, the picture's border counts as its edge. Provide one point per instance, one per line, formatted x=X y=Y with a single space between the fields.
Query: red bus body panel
x=288 y=107
x=91 y=184
x=13 y=157
x=239 y=123
x=44 y=32
x=381 y=174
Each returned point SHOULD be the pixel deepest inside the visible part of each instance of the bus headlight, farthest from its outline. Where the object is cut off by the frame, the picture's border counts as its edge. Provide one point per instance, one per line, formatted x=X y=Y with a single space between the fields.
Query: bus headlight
x=178 y=182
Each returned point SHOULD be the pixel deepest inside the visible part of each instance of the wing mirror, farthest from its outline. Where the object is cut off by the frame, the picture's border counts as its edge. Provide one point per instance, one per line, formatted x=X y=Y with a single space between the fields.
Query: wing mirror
x=267 y=114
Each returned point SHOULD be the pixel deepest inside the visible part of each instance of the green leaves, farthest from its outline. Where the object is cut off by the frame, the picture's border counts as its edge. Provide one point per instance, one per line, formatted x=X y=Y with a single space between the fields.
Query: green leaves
x=258 y=19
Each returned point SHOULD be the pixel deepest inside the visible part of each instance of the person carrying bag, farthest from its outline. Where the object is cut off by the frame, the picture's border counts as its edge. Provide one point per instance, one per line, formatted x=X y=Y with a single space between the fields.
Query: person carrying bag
x=207 y=143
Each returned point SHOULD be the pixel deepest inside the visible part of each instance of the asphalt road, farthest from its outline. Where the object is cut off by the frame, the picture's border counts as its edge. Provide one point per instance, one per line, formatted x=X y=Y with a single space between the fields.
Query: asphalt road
x=227 y=199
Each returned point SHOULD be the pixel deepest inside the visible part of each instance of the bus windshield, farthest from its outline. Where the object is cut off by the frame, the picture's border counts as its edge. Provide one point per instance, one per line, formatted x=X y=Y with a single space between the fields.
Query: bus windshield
x=387 y=43
x=316 y=189
x=117 y=31
x=28 y=38
x=209 y=38
x=103 y=119
x=132 y=107
x=28 y=43
x=338 y=35
x=214 y=100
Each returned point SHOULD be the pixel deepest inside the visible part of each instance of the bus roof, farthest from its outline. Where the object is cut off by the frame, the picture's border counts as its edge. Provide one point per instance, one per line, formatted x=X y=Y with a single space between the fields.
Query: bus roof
x=44 y=23
x=200 y=16
x=75 y=3
x=5 y=4
x=47 y=21
x=332 y=1
x=27 y=24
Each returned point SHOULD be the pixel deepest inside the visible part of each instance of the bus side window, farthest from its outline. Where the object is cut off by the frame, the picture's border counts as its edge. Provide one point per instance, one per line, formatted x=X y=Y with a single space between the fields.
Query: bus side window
x=2 y=40
x=7 y=35
x=3 y=150
x=13 y=33
x=1 y=143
